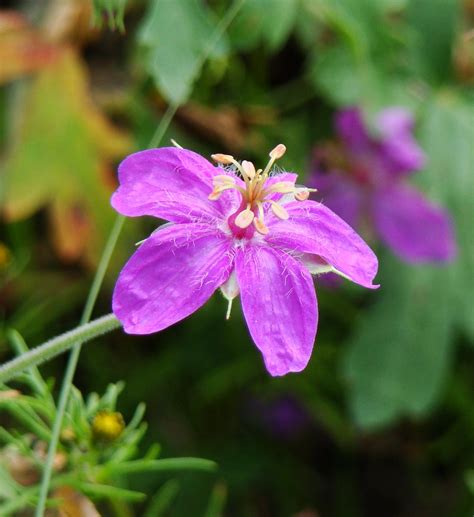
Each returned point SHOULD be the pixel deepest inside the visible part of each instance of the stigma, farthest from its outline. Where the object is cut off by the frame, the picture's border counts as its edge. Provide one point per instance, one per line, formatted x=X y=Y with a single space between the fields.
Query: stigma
x=257 y=193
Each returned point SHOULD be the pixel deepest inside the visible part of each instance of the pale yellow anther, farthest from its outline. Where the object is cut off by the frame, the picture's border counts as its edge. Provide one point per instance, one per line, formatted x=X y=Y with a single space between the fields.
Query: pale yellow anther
x=249 y=169
x=218 y=189
x=278 y=152
x=302 y=194
x=223 y=179
x=279 y=211
x=255 y=190
x=260 y=226
x=245 y=218
x=282 y=187
x=225 y=159
x=214 y=195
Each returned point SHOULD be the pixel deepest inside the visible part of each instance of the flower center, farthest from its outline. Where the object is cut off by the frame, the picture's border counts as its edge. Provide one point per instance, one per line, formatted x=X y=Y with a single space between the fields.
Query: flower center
x=257 y=192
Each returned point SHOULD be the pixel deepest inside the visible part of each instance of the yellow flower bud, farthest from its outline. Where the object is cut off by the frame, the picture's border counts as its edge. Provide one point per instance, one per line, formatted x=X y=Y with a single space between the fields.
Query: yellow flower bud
x=107 y=425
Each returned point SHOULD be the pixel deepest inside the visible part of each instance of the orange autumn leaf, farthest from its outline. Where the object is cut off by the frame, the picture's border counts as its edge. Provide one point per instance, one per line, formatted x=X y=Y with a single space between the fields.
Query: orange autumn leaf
x=22 y=48
x=61 y=158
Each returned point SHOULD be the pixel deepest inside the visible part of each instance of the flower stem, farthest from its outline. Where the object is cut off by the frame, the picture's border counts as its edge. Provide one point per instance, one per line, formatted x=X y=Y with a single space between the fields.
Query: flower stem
x=74 y=357
x=57 y=345
x=99 y=276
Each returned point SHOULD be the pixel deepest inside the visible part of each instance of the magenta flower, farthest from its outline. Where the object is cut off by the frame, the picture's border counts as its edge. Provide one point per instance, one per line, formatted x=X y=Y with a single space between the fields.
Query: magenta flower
x=241 y=230
x=364 y=179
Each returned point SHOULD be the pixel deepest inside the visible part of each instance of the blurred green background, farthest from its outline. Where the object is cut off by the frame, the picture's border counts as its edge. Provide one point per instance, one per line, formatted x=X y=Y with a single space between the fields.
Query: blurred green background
x=382 y=420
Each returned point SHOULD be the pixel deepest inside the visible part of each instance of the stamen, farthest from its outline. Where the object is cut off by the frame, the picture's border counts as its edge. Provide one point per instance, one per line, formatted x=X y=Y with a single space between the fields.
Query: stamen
x=282 y=187
x=249 y=169
x=176 y=144
x=274 y=154
x=260 y=226
x=216 y=193
x=223 y=179
x=256 y=191
x=302 y=194
x=225 y=159
x=245 y=218
x=279 y=211
x=229 y=308
x=278 y=152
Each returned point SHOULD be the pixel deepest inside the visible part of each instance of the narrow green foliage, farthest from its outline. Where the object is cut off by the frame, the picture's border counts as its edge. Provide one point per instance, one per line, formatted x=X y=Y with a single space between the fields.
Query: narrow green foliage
x=112 y=11
x=88 y=464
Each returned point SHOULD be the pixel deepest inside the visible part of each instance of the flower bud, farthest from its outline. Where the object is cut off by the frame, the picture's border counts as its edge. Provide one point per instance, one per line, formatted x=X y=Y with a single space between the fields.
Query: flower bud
x=107 y=426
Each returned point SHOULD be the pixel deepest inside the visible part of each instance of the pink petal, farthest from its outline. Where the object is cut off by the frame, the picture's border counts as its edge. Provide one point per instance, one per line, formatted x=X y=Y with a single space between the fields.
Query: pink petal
x=416 y=229
x=279 y=304
x=350 y=126
x=172 y=184
x=173 y=273
x=313 y=228
x=340 y=194
x=399 y=151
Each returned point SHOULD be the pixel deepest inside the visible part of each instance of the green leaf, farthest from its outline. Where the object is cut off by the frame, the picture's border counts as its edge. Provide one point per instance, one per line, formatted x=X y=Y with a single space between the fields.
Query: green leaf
x=280 y=22
x=246 y=33
x=435 y=22
x=217 y=501
x=162 y=465
x=398 y=359
x=113 y=10
x=470 y=480
x=447 y=135
x=110 y=492
x=174 y=37
x=9 y=488
x=347 y=81
x=163 y=499
x=335 y=73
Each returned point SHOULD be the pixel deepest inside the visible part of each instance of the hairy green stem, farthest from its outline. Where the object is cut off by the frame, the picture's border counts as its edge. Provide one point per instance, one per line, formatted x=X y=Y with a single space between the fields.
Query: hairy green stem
x=104 y=262
x=57 y=345
x=74 y=358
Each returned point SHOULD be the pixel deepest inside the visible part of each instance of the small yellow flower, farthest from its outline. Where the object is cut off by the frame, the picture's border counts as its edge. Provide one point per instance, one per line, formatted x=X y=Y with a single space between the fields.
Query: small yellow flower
x=107 y=425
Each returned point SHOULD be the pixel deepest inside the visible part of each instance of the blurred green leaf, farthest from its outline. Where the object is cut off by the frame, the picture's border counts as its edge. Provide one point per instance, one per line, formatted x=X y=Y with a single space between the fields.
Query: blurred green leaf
x=470 y=480
x=111 y=492
x=163 y=499
x=161 y=465
x=217 y=501
x=447 y=134
x=112 y=10
x=280 y=19
x=267 y=22
x=174 y=36
x=435 y=23
x=9 y=488
x=400 y=353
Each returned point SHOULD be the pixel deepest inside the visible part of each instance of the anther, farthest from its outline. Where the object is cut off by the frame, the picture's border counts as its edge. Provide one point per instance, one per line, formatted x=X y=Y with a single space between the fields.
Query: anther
x=279 y=211
x=302 y=194
x=249 y=169
x=278 y=152
x=260 y=226
x=245 y=218
x=223 y=179
x=218 y=189
x=225 y=159
x=282 y=187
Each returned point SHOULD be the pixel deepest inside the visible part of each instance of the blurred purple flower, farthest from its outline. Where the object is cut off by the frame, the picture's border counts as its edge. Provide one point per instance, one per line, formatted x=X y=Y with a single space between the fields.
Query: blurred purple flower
x=364 y=179
x=283 y=417
x=257 y=235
